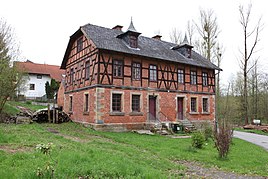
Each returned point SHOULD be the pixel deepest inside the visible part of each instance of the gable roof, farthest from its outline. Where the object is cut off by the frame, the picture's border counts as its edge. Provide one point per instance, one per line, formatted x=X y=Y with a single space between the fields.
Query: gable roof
x=105 y=38
x=34 y=68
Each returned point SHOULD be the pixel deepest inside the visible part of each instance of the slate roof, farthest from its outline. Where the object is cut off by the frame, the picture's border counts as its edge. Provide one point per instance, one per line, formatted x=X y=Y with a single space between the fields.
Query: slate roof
x=34 y=68
x=105 y=38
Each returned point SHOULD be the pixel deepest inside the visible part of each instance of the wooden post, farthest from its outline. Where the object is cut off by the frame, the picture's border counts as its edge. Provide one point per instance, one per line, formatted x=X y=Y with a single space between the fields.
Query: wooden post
x=57 y=116
x=48 y=113
x=53 y=112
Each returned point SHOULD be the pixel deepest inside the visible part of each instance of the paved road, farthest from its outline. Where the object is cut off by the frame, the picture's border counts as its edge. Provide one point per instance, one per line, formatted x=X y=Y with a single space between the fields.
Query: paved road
x=257 y=139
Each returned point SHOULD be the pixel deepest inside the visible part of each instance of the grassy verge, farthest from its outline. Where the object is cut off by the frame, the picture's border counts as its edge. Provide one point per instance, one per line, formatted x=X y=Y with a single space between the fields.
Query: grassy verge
x=252 y=131
x=10 y=107
x=82 y=152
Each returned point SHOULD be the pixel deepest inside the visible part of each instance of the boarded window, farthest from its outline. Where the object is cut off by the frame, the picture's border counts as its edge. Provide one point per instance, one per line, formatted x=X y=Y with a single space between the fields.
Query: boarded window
x=79 y=44
x=32 y=86
x=87 y=68
x=205 y=104
x=153 y=73
x=136 y=103
x=86 y=103
x=193 y=78
x=180 y=76
x=116 y=102
x=118 y=68
x=136 y=71
x=193 y=105
x=205 y=79
x=71 y=104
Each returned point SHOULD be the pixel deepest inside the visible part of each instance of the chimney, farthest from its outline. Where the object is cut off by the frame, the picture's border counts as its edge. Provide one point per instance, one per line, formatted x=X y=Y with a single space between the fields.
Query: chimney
x=118 y=27
x=158 y=37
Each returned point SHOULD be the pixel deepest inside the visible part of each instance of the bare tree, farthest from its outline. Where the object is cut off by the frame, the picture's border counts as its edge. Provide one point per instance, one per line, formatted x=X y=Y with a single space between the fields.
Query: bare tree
x=208 y=30
x=10 y=77
x=190 y=31
x=175 y=36
x=248 y=51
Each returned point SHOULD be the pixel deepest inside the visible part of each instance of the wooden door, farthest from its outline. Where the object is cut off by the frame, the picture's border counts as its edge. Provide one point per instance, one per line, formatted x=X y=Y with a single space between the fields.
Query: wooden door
x=180 y=108
x=152 y=107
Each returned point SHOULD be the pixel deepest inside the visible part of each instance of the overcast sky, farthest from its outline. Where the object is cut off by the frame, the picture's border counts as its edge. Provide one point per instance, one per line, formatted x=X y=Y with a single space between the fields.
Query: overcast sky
x=43 y=27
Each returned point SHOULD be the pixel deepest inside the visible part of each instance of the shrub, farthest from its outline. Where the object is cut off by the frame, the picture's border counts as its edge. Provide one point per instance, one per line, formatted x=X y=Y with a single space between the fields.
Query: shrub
x=198 y=140
x=223 y=138
x=28 y=102
x=208 y=132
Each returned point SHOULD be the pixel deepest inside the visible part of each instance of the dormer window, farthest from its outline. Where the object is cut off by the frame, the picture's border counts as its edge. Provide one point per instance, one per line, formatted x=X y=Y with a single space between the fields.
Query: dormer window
x=130 y=36
x=133 y=42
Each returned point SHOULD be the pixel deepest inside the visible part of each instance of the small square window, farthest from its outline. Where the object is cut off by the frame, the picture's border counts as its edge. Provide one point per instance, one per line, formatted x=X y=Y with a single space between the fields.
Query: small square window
x=32 y=86
x=193 y=105
x=205 y=104
x=39 y=76
x=116 y=102
x=135 y=103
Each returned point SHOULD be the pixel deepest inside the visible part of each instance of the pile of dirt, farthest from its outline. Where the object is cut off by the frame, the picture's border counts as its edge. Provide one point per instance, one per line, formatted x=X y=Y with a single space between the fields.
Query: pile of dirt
x=263 y=128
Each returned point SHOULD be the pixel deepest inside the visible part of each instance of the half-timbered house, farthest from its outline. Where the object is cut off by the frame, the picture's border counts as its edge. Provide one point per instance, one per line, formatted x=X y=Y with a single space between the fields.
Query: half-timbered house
x=125 y=79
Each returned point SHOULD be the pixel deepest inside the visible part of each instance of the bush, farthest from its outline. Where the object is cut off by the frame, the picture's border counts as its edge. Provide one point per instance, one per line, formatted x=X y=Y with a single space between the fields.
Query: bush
x=223 y=138
x=28 y=102
x=198 y=140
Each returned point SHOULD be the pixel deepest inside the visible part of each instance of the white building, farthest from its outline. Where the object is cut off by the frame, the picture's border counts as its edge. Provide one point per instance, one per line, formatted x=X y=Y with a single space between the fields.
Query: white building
x=38 y=75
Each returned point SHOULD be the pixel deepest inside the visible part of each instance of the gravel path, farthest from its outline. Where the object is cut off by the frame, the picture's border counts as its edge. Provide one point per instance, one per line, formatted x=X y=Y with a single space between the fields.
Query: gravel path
x=261 y=140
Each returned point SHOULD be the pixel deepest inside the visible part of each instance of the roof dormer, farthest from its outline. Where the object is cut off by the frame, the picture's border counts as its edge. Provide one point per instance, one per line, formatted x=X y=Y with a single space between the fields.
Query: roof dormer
x=130 y=36
x=184 y=48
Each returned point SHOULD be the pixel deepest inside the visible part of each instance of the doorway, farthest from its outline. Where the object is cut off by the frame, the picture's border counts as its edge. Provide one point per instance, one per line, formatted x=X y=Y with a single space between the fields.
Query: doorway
x=152 y=107
x=180 y=108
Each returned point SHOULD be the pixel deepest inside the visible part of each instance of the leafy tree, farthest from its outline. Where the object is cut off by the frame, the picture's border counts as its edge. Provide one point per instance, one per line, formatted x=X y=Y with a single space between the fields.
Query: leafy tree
x=51 y=88
x=10 y=76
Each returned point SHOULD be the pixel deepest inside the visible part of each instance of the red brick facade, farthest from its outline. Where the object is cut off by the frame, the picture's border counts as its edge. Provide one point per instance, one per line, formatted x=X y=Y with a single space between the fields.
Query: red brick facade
x=92 y=77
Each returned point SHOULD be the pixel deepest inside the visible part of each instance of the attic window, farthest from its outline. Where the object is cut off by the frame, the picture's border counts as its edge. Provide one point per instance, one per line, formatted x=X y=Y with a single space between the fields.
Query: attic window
x=79 y=46
x=133 y=41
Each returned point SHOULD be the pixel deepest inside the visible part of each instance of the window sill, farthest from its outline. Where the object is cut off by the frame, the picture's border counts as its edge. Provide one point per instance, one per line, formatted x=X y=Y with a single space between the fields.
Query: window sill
x=194 y=113
x=206 y=113
x=70 y=112
x=85 y=113
x=136 y=114
x=118 y=77
x=117 y=113
x=153 y=81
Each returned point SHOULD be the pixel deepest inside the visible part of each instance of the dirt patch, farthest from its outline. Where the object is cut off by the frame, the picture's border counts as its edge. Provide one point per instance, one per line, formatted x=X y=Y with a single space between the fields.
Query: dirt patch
x=197 y=170
x=11 y=149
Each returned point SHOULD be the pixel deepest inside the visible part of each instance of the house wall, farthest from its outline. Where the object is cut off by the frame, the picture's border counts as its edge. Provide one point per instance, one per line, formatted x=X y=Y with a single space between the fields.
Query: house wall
x=39 y=89
x=100 y=106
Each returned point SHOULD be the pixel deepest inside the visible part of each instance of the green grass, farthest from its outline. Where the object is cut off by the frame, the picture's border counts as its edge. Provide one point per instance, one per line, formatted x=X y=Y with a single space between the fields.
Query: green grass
x=10 y=107
x=252 y=131
x=82 y=152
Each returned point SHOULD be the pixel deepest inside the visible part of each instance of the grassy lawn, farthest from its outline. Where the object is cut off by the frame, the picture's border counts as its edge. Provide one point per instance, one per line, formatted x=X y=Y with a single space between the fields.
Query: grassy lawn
x=252 y=131
x=10 y=107
x=82 y=152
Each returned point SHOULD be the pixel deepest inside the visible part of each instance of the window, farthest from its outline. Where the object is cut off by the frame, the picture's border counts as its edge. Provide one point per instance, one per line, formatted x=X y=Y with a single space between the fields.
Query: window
x=39 y=76
x=32 y=86
x=87 y=68
x=205 y=78
x=180 y=76
x=133 y=42
x=193 y=77
x=79 y=44
x=116 y=102
x=71 y=104
x=72 y=76
x=205 y=104
x=193 y=105
x=118 y=68
x=153 y=73
x=135 y=103
x=136 y=71
x=86 y=104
